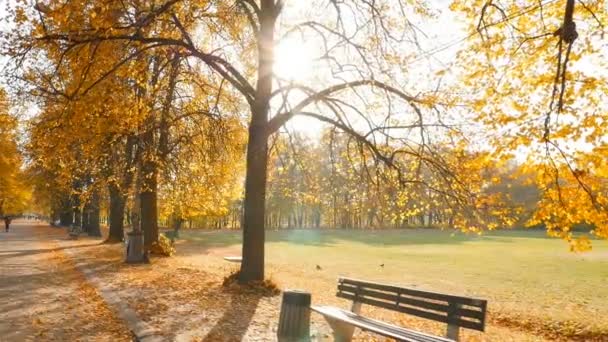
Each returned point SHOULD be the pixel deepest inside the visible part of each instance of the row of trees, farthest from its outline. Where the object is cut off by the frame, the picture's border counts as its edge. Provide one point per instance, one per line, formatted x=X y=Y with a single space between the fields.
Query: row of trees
x=156 y=101
x=332 y=184
x=14 y=194
x=128 y=88
x=329 y=184
x=128 y=138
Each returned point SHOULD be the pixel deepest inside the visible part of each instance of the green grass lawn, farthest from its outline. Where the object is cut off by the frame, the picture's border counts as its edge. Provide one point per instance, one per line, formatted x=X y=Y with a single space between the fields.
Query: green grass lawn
x=522 y=273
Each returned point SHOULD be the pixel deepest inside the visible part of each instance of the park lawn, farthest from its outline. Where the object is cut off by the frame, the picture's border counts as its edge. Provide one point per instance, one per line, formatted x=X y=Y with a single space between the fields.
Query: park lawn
x=532 y=282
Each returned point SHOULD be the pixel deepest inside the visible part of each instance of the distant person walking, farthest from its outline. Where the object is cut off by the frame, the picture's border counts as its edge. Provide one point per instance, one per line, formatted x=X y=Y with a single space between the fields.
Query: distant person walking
x=7 y=222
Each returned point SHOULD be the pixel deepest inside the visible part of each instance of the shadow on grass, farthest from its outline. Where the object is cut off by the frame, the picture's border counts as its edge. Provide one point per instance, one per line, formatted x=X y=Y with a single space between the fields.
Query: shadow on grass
x=377 y=238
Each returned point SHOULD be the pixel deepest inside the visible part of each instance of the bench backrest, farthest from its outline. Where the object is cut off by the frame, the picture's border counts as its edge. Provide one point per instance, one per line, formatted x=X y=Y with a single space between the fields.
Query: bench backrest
x=463 y=312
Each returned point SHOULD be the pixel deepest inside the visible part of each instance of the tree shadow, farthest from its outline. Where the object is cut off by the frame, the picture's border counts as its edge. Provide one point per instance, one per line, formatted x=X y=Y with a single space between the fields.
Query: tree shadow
x=235 y=321
x=207 y=240
x=27 y=298
x=15 y=253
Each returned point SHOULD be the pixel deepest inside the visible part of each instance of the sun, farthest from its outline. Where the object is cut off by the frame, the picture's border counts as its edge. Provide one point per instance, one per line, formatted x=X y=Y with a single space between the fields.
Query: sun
x=293 y=59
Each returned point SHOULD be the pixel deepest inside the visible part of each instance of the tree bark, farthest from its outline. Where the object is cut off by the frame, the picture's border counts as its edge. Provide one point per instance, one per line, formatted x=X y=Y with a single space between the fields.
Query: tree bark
x=75 y=205
x=252 y=266
x=148 y=207
x=65 y=213
x=77 y=216
x=85 y=219
x=93 y=216
x=117 y=215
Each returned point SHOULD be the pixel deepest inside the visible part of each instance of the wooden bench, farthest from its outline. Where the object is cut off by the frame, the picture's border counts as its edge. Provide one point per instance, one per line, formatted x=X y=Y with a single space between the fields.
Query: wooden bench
x=457 y=312
x=233 y=258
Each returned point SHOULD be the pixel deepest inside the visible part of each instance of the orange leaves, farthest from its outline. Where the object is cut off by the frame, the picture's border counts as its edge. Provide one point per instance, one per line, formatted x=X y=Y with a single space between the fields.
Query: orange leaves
x=577 y=199
x=510 y=65
x=14 y=190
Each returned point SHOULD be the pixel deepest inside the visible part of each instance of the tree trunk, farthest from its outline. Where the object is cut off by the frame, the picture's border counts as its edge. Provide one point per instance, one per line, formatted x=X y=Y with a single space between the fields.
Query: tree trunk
x=335 y=211
x=148 y=214
x=65 y=217
x=93 y=216
x=77 y=216
x=176 y=227
x=85 y=219
x=54 y=216
x=149 y=210
x=252 y=266
x=117 y=215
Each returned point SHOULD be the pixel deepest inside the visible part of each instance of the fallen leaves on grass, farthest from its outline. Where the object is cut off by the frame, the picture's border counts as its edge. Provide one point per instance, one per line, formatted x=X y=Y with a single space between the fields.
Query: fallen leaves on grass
x=265 y=288
x=554 y=330
x=163 y=247
x=185 y=300
x=204 y=298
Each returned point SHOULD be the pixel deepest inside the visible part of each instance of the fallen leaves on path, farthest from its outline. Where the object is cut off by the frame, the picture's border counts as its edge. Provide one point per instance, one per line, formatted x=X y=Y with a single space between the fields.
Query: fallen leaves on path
x=185 y=298
x=81 y=314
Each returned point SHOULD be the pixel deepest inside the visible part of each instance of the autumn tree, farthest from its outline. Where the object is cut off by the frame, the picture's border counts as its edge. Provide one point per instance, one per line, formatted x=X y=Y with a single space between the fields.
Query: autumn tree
x=535 y=74
x=206 y=178
x=14 y=192
x=359 y=88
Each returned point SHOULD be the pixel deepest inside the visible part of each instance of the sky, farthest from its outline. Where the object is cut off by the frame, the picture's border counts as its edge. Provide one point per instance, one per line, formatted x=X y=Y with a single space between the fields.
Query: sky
x=438 y=32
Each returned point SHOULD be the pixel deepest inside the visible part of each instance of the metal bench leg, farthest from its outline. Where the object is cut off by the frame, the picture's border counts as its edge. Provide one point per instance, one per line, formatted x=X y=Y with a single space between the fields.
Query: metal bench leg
x=453 y=332
x=343 y=332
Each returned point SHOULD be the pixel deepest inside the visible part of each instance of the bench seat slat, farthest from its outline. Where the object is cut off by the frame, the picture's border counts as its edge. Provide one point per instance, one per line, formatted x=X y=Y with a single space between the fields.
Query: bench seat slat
x=391 y=297
x=404 y=309
x=461 y=311
x=345 y=291
x=413 y=311
x=378 y=327
x=416 y=293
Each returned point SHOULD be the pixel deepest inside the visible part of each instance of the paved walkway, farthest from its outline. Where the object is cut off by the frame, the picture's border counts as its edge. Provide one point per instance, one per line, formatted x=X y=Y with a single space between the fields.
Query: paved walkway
x=43 y=296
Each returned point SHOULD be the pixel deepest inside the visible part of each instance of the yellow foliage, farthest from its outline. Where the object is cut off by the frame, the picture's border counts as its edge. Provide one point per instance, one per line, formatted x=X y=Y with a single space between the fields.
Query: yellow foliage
x=163 y=246
x=511 y=78
x=14 y=192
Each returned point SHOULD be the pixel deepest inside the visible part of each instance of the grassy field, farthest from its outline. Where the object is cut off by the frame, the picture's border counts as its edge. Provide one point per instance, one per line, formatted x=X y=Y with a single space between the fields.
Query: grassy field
x=524 y=275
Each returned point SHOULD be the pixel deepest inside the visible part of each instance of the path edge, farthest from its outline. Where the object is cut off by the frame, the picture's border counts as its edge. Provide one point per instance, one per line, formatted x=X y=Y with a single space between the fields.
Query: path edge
x=141 y=330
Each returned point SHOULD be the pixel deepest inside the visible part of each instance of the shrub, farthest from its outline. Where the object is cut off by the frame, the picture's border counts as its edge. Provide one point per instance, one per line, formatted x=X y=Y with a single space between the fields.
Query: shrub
x=163 y=246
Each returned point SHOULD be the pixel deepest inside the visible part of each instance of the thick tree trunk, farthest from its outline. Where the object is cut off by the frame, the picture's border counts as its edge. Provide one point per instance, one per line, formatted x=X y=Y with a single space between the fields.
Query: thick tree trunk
x=54 y=216
x=66 y=217
x=149 y=210
x=117 y=215
x=85 y=218
x=77 y=216
x=93 y=216
x=252 y=266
